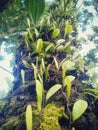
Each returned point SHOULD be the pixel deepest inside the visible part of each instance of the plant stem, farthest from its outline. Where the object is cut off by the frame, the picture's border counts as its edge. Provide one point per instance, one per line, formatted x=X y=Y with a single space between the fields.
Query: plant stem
x=69 y=113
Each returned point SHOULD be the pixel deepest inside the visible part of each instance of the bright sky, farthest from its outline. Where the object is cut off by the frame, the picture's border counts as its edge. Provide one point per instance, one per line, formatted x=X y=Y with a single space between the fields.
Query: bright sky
x=6 y=64
x=89 y=45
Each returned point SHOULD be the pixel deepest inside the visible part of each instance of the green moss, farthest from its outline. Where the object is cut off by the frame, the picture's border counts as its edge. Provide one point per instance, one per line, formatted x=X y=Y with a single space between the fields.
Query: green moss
x=50 y=117
x=11 y=124
x=46 y=120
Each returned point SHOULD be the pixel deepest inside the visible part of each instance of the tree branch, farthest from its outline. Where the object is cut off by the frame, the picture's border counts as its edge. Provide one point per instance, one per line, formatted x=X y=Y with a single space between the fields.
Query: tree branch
x=5 y=69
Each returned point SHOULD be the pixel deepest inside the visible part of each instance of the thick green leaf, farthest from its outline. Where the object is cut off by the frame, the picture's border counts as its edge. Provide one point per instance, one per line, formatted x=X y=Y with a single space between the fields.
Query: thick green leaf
x=40 y=79
x=73 y=128
x=60 y=41
x=23 y=76
x=60 y=48
x=91 y=94
x=78 y=109
x=30 y=34
x=36 y=32
x=28 y=22
x=36 y=9
x=63 y=74
x=71 y=79
x=35 y=70
x=66 y=46
x=29 y=117
x=39 y=91
x=68 y=82
x=68 y=29
x=69 y=65
x=92 y=90
x=26 y=64
x=39 y=45
x=49 y=47
x=55 y=33
x=26 y=40
x=53 y=90
x=43 y=64
x=56 y=63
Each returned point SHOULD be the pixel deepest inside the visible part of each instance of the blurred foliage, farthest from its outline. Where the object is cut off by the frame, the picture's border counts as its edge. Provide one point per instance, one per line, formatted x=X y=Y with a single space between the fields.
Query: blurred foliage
x=12 y=20
x=86 y=16
x=95 y=3
x=4 y=4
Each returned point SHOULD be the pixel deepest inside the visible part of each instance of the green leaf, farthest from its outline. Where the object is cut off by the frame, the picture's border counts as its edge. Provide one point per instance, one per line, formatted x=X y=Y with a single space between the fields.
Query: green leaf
x=63 y=73
x=35 y=71
x=28 y=22
x=69 y=65
x=23 y=76
x=94 y=77
x=92 y=90
x=66 y=46
x=91 y=65
x=26 y=64
x=60 y=48
x=30 y=34
x=26 y=40
x=90 y=72
x=29 y=117
x=71 y=79
x=68 y=29
x=81 y=64
x=39 y=91
x=78 y=109
x=36 y=32
x=73 y=128
x=91 y=94
x=48 y=47
x=68 y=82
x=40 y=79
x=53 y=90
x=56 y=63
x=55 y=33
x=60 y=41
x=36 y=9
x=67 y=49
x=43 y=64
x=39 y=45
x=96 y=85
x=2 y=103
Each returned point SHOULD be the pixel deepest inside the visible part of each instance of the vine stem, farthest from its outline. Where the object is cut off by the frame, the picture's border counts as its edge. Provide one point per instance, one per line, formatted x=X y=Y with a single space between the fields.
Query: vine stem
x=69 y=113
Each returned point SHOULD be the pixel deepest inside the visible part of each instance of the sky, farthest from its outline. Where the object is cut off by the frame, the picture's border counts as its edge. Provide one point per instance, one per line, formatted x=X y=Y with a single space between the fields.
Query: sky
x=87 y=47
x=3 y=74
x=7 y=57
